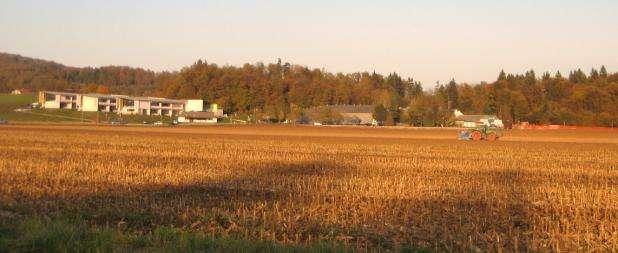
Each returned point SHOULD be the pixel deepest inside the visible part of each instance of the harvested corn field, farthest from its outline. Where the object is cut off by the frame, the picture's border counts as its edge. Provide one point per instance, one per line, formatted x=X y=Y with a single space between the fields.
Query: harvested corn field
x=350 y=187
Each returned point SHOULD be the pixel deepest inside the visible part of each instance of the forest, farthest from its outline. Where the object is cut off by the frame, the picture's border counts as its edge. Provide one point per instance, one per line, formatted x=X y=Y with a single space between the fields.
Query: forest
x=281 y=91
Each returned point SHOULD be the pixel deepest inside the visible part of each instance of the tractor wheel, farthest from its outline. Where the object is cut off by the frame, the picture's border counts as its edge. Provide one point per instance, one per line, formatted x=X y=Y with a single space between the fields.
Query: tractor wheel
x=476 y=135
x=492 y=136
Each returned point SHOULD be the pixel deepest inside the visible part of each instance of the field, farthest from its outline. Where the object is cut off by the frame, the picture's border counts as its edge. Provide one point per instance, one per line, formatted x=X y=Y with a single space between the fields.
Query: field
x=284 y=188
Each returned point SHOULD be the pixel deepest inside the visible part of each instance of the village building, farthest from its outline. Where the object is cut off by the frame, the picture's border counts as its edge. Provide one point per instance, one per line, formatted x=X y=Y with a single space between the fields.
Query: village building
x=60 y=100
x=124 y=105
x=355 y=114
x=344 y=114
x=191 y=115
x=470 y=121
x=155 y=106
x=21 y=91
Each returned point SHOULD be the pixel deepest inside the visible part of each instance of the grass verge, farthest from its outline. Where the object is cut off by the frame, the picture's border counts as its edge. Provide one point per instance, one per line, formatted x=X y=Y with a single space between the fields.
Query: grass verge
x=69 y=235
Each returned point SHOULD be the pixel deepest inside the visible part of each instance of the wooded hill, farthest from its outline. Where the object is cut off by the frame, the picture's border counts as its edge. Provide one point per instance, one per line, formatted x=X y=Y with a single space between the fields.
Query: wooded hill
x=280 y=91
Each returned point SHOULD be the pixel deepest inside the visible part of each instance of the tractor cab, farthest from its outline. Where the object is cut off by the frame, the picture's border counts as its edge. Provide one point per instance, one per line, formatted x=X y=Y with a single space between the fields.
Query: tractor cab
x=478 y=127
x=483 y=132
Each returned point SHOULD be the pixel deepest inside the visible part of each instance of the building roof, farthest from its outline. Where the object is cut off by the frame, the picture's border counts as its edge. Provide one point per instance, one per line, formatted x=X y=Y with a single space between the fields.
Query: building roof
x=162 y=100
x=99 y=95
x=23 y=90
x=171 y=101
x=350 y=108
x=199 y=115
x=474 y=118
x=365 y=118
x=61 y=93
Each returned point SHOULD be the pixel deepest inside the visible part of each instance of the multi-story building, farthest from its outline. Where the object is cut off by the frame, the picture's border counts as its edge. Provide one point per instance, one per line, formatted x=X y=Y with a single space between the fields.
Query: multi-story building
x=99 y=103
x=158 y=106
x=60 y=100
x=122 y=104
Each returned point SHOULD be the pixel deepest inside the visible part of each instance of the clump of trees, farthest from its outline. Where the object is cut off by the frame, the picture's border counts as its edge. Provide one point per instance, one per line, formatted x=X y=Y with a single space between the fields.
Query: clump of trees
x=578 y=99
x=279 y=91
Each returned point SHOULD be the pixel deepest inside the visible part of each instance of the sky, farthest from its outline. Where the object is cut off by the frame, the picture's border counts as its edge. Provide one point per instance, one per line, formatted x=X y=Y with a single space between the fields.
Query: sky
x=430 y=41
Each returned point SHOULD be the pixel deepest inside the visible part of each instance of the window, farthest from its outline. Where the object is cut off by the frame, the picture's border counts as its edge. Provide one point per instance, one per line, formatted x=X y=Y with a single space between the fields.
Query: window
x=50 y=97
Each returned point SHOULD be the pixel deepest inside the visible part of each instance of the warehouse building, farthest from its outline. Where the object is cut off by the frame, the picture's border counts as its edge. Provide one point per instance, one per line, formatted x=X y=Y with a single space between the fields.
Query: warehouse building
x=201 y=116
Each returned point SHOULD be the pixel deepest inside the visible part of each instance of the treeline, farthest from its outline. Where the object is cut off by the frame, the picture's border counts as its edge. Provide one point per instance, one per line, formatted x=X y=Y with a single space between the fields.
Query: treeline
x=578 y=99
x=281 y=91
x=23 y=72
x=278 y=92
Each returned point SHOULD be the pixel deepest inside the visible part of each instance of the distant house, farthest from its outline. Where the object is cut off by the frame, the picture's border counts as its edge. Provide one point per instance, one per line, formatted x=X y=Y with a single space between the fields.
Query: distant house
x=212 y=115
x=197 y=117
x=21 y=91
x=463 y=120
x=355 y=114
x=350 y=114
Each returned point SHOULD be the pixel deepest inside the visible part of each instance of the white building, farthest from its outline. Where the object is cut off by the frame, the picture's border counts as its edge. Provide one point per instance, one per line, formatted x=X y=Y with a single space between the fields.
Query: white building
x=125 y=105
x=60 y=100
x=212 y=115
x=471 y=121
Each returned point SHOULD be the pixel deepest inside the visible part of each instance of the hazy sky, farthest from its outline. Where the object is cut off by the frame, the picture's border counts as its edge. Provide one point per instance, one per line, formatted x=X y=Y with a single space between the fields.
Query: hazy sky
x=427 y=40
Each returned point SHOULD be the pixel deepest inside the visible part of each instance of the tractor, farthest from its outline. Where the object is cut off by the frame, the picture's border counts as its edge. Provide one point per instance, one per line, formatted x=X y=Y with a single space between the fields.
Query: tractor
x=478 y=133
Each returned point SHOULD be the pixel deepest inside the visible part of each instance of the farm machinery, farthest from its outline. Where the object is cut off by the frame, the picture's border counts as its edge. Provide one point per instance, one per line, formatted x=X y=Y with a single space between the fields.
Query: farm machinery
x=484 y=132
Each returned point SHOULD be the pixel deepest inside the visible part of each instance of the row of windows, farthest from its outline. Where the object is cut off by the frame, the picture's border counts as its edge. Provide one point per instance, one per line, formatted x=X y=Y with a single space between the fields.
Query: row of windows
x=105 y=100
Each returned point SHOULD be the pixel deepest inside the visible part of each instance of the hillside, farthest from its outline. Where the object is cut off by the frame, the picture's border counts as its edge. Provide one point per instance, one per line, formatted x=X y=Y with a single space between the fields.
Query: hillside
x=23 y=72
x=282 y=91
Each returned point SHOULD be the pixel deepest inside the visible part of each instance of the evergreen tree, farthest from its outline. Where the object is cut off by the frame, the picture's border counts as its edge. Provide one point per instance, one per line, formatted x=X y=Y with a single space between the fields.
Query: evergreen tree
x=603 y=72
x=490 y=106
x=452 y=94
x=577 y=76
x=380 y=113
x=414 y=88
x=502 y=75
x=594 y=74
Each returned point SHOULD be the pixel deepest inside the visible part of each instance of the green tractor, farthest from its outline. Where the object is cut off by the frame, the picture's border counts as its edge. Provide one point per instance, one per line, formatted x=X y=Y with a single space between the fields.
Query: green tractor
x=481 y=133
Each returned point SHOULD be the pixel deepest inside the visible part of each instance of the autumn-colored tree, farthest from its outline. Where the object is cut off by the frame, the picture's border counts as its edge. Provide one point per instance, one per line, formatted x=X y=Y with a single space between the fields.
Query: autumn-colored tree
x=380 y=113
x=102 y=89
